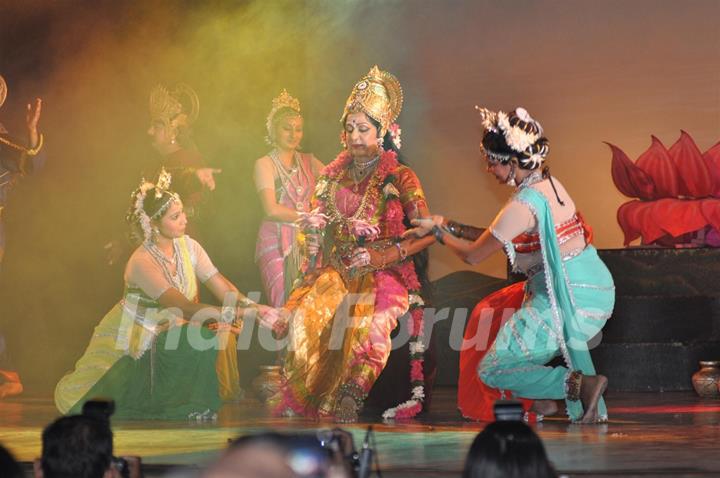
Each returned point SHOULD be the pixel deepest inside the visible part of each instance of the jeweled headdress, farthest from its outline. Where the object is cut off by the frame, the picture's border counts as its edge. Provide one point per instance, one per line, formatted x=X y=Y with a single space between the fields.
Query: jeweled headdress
x=379 y=95
x=3 y=90
x=522 y=133
x=137 y=214
x=166 y=105
x=283 y=100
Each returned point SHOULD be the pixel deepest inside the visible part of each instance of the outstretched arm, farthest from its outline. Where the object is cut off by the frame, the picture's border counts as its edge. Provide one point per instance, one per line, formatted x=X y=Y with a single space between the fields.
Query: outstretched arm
x=173 y=298
x=472 y=252
x=220 y=286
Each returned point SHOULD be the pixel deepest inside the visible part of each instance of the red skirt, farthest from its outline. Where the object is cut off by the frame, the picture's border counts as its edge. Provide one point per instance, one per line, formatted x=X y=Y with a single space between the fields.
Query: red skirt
x=475 y=399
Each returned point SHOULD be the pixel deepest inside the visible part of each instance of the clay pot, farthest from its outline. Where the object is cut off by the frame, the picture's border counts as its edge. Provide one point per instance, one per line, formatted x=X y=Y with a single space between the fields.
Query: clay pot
x=267 y=383
x=707 y=380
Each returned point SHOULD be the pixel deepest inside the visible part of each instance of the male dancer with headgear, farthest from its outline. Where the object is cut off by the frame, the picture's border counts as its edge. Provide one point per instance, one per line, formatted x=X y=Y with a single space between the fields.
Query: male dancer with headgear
x=16 y=161
x=172 y=113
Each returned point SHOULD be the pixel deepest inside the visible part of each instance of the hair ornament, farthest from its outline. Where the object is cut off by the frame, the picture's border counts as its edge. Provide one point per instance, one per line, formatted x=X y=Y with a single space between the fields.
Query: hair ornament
x=137 y=212
x=283 y=100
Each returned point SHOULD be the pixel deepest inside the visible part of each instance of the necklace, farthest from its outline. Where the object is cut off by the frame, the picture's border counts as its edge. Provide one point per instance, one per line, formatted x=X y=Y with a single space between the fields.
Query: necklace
x=359 y=171
x=370 y=192
x=290 y=181
x=530 y=179
x=177 y=279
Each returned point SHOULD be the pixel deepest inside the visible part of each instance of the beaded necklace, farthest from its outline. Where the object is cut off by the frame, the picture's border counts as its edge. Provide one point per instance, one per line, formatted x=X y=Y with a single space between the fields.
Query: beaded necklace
x=178 y=278
x=358 y=172
x=288 y=181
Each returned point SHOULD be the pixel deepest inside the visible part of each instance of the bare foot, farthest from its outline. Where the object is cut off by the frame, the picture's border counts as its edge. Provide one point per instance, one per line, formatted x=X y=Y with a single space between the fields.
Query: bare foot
x=10 y=384
x=545 y=408
x=591 y=389
x=347 y=410
x=10 y=389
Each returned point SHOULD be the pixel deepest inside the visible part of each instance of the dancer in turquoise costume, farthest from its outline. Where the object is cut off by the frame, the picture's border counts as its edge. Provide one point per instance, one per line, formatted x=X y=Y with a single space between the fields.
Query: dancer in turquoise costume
x=569 y=293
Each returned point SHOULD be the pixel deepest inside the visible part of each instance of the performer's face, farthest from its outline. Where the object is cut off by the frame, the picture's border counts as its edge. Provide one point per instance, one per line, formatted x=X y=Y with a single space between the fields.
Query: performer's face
x=289 y=132
x=172 y=225
x=499 y=170
x=361 y=136
x=161 y=135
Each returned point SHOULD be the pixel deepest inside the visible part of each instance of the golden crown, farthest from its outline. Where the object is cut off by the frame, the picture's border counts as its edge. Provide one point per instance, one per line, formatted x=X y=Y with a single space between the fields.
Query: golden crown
x=379 y=95
x=165 y=105
x=283 y=100
x=3 y=90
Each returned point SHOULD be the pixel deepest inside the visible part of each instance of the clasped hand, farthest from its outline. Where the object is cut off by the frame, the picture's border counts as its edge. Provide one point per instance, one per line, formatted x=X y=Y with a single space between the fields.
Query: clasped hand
x=363 y=257
x=424 y=225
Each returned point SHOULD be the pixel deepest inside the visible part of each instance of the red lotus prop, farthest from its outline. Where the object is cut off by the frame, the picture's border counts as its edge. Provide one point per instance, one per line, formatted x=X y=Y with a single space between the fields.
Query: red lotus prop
x=677 y=191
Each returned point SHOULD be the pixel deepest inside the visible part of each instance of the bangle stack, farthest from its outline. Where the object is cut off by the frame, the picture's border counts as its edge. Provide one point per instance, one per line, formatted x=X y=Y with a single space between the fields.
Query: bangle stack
x=438 y=233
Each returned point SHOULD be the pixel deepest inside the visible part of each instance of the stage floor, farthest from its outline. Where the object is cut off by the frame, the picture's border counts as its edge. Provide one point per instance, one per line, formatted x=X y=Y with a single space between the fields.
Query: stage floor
x=650 y=434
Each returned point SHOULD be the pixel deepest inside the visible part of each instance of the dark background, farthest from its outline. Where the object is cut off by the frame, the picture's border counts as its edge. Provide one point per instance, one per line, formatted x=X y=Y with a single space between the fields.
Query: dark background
x=589 y=71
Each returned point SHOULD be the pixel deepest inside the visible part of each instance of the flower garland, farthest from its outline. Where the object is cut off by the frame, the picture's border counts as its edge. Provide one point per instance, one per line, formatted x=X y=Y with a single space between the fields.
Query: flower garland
x=138 y=214
x=383 y=183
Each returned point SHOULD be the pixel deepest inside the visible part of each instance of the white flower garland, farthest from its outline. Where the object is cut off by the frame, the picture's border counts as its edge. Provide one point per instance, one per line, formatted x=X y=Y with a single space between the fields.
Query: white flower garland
x=417 y=397
x=416 y=300
x=395 y=133
x=139 y=212
x=516 y=137
x=138 y=208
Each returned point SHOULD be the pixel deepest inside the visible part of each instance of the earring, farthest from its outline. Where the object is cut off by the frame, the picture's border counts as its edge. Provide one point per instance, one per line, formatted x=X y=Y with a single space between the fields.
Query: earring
x=343 y=141
x=155 y=233
x=380 y=142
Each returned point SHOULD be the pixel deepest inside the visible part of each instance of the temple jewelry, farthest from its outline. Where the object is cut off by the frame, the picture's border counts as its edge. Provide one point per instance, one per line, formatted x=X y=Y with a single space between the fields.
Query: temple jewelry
x=288 y=179
x=177 y=279
x=379 y=95
x=165 y=105
x=283 y=100
x=359 y=171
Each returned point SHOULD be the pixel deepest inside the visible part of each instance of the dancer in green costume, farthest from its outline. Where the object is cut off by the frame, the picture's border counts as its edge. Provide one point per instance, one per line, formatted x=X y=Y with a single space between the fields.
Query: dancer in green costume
x=156 y=353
